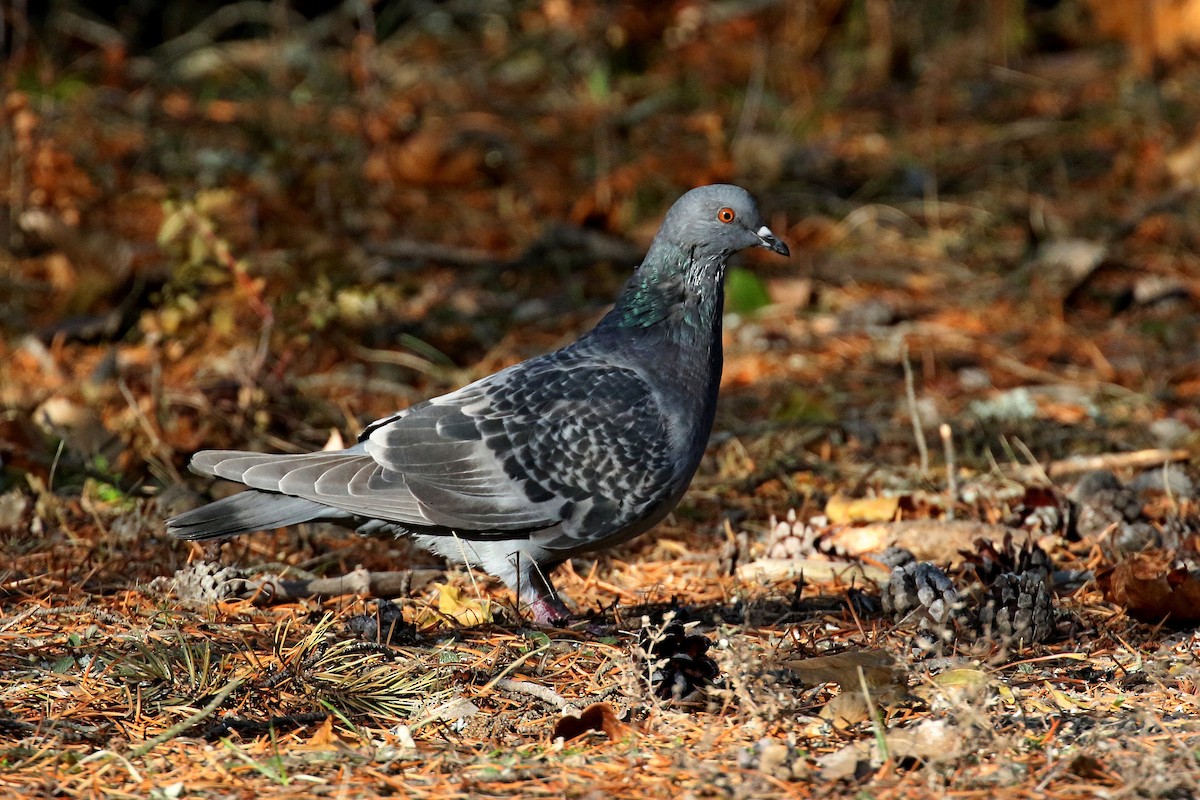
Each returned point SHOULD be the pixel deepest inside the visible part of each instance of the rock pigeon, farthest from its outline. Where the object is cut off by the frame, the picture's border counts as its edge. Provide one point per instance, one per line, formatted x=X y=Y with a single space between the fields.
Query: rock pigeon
x=568 y=452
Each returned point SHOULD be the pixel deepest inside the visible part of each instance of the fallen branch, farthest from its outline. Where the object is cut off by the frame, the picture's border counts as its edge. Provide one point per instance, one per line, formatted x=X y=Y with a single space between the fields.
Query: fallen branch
x=251 y=727
x=543 y=693
x=774 y=569
x=1075 y=465
x=195 y=719
x=360 y=582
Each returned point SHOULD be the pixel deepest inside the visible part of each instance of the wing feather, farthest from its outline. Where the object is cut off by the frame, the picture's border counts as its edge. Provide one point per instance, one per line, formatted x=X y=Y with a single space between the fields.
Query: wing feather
x=535 y=446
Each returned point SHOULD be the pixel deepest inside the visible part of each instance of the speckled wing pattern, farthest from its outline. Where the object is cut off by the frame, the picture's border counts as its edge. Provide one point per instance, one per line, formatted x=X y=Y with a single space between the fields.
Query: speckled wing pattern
x=560 y=439
x=566 y=441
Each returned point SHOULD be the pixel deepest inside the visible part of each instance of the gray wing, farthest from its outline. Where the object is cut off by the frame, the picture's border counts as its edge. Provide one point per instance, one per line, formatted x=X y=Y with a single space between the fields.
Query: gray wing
x=544 y=442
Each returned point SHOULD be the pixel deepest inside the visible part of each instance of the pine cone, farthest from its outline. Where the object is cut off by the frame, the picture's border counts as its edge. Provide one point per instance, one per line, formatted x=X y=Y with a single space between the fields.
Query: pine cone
x=1106 y=506
x=1017 y=609
x=922 y=590
x=990 y=562
x=790 y=538
x=679 y=661
x=896 y=556
x=385 y=626
x=207 y=582
x=1042 y=509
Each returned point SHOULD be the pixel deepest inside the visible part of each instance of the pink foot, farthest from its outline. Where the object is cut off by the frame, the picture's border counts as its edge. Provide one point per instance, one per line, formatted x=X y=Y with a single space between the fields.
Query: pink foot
x=548 y=609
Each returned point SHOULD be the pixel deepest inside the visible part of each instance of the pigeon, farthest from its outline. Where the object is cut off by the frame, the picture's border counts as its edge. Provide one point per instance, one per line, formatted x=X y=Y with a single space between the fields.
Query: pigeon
x=568 y=452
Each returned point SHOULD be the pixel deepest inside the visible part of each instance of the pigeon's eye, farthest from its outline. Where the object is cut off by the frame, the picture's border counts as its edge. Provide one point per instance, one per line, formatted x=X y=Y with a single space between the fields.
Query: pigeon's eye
x=726 y=215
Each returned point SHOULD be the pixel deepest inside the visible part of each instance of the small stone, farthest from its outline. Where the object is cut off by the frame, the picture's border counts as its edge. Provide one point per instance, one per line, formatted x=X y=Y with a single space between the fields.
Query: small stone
x=1164 y=480
x=1169 y=432
x=13 y=507
x=772 y=756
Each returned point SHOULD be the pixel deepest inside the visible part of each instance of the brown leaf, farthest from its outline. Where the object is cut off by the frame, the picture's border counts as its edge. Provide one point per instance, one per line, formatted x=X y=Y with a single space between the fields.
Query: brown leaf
x=931 y=741
x=845 y=710
x=1152 y=31
x=1089 y=768
x=323 y=736
x=1154 y=586
x=886 y=682
x=878 y=666
x=596 y=717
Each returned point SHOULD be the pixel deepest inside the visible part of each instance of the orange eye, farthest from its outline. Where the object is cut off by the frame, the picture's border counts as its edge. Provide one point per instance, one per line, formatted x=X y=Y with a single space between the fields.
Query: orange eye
x=726 y=215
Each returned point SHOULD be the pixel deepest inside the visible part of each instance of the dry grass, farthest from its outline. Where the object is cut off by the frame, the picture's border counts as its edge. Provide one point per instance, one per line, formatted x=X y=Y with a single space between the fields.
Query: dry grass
x=114 y=688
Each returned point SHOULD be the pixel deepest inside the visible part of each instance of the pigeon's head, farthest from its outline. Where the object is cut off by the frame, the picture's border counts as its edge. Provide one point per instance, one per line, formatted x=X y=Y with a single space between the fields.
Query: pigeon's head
x=718 y=220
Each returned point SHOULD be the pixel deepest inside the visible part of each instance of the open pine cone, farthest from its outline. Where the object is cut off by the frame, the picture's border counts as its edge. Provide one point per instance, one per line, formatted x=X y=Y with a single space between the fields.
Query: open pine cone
x=1017 y=609
x=679 y=661
x=989 y=562
x=920 y=589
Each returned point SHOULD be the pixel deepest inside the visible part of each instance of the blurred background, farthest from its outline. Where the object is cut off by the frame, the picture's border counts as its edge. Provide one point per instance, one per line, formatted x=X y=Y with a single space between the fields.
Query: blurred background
x=261 y=224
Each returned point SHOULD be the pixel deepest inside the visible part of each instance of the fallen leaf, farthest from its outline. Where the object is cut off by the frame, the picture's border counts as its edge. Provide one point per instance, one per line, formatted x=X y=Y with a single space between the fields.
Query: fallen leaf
x=878 y=668
x=1089 y=768
x=596 y=717
x=886 y=683
x=845 y=763
x=452 y=604
x=929 y=741
x=323 y=736
x=846 y=709
x=79 y=425
x=961 y=679
x=1156 y=586
x=842 y=510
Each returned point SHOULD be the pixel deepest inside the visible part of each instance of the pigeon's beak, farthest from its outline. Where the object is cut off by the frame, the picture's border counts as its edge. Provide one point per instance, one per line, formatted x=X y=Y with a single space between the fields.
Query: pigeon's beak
x=771 y=241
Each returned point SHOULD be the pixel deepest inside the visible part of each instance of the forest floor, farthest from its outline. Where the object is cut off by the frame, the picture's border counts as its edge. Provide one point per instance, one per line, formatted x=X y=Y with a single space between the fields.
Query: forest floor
x=267 y=243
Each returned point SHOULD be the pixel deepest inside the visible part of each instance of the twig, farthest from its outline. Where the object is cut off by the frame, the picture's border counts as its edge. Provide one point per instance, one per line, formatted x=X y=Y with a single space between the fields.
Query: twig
x=420 y=252
x=54 y=467
x=195 y=719
x=951 y=469
x=1038 y=470
x=252 y=727
x=160 y=448
x=543 y=693
x=206 y=33
x=64 y=729
x=752 y=97
x=98 y=613
x=777 y=569
x=561 y=241
x=911 y=393
x=509 y=669
x=1074 y=465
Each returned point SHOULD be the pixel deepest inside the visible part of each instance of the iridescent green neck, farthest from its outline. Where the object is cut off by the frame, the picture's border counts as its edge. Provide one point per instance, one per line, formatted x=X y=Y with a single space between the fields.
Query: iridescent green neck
x=674 y=288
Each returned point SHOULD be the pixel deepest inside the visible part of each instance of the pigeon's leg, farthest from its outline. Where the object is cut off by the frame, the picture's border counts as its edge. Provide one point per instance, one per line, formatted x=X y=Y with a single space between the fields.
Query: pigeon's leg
x=549 y=610
x=539 y=596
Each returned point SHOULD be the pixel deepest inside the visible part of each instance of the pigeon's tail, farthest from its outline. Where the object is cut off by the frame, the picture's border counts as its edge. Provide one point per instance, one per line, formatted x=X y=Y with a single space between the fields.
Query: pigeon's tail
x=269 y=470
x=246 y=512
